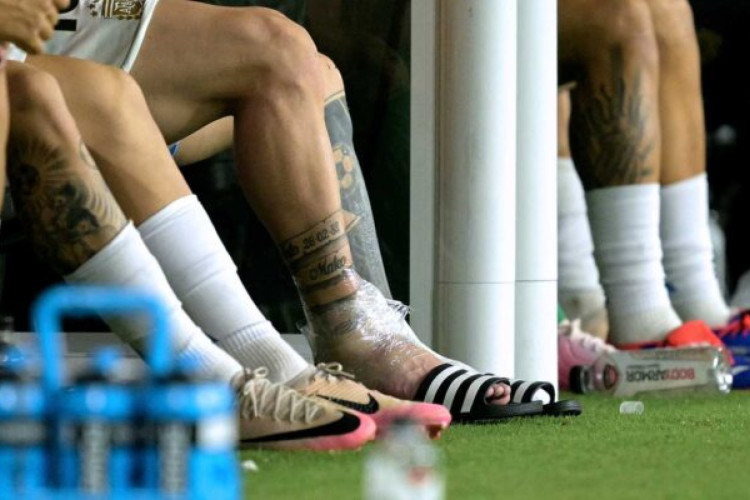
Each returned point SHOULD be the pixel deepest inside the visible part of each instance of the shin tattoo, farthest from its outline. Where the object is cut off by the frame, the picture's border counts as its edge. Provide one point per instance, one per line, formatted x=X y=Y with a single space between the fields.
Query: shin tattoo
x=354 y=199
x=64 y=202
x=611 y=140
x=319 y=259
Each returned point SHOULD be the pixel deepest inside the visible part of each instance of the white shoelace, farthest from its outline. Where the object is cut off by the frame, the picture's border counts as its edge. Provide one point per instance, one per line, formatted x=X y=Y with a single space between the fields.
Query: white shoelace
x=259 y=397
x=331 y=372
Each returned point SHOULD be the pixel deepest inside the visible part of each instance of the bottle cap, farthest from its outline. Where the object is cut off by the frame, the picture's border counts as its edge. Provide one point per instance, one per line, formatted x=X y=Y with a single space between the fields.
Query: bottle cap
x=576 y=379
x=631 y=408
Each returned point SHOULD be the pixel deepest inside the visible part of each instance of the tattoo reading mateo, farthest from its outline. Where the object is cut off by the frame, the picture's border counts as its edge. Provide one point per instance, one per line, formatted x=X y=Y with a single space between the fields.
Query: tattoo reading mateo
x=319 y=258
x=611 y=142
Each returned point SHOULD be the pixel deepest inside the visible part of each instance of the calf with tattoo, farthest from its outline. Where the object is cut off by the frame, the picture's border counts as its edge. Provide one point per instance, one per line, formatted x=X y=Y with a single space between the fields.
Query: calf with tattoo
x=27 y=24
x=78 y=228
x=287 y=103
x=638 y=140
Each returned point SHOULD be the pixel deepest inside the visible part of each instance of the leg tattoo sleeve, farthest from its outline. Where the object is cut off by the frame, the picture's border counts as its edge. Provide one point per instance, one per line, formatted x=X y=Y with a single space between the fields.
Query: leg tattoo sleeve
x=69 y=211
x=354 y=199
x=611 y=141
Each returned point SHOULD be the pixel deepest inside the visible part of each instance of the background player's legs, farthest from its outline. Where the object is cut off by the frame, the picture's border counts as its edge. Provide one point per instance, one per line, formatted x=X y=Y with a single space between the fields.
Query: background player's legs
x=75 y=223
x=579 y=292
x=609 y=48
x=688 y=256
x=136 y=164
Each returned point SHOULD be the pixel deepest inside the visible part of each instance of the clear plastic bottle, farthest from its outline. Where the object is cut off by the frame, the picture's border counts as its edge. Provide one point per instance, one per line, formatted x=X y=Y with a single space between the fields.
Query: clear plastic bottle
x=627 y=373
x=404 y=466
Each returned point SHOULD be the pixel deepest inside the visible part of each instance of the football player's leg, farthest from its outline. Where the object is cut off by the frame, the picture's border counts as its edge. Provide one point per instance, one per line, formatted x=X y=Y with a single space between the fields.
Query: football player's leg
x=74 y=221
x=137 y=165
x=264 y=70
x=579 y=290
x=688 y=255
x=609 y=48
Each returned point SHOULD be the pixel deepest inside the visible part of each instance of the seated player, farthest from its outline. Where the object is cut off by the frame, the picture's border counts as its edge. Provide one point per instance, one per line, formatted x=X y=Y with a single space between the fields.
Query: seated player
x=78 y=228
x=637 y=135
x=289 y=110
x=151 y=190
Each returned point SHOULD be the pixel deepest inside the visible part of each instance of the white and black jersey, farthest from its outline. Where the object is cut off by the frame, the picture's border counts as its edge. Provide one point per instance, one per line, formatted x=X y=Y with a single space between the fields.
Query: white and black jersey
x=106 y=31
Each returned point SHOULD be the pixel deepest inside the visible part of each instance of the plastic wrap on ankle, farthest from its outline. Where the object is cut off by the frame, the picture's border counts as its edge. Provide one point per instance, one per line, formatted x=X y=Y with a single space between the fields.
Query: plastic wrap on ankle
x=366 y=317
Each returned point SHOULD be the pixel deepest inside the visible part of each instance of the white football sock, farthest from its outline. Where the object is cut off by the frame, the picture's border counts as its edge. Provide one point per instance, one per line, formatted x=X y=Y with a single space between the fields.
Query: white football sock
x=201 y=272
x=741 y=297
x=126 y=262
x=625 y=226
x=688 y=257
x=579 y=291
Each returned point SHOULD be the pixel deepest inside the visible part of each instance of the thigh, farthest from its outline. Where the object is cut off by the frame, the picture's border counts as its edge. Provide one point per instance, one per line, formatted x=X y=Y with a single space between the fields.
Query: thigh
x=574 y=32
x=194 y=61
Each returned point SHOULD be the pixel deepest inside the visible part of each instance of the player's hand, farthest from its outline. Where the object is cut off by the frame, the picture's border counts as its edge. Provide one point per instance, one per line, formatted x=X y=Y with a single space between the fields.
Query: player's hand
x=28 y=23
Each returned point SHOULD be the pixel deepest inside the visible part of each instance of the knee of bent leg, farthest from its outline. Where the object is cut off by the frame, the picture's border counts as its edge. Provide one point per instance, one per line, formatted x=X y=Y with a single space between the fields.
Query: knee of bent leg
x=33 y=94
x=113 y=94
x=285 y=56
x=625 y=26
x=675 y=24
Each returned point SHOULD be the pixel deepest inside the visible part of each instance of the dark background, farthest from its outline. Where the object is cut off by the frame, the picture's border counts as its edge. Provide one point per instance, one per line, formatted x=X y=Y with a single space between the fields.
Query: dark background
x=369 y=42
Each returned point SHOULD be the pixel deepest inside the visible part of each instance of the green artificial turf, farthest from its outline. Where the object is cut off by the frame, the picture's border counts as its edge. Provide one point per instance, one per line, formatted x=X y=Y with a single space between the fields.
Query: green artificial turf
x=689 y=447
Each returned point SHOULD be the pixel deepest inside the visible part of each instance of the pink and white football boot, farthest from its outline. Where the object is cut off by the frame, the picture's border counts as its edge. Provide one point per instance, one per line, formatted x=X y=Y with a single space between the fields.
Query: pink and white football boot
x=576 y=347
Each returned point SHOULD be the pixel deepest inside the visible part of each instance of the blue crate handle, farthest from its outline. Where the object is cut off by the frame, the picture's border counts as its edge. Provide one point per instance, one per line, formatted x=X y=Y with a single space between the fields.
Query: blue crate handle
x=78 y=301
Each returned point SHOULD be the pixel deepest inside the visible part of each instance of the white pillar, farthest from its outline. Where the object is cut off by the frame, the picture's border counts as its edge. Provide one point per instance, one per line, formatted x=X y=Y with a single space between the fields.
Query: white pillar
x=476 y=186
x=536 y=236
x=423 y=171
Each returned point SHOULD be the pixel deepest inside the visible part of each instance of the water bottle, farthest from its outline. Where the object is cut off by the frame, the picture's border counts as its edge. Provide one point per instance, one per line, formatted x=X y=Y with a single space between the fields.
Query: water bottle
x=24 y=433
x=404 y=466
x=96 y=424
x=195 y=436
x=667 y=370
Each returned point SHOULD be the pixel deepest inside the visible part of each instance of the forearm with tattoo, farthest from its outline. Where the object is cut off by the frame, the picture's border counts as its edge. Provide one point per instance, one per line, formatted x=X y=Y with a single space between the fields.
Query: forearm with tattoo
x=610 y=133
x=64 y=202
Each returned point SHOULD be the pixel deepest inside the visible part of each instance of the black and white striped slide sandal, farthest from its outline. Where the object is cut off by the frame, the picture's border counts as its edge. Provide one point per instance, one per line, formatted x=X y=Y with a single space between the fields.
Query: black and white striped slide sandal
x=544 y=392
x=462 y=392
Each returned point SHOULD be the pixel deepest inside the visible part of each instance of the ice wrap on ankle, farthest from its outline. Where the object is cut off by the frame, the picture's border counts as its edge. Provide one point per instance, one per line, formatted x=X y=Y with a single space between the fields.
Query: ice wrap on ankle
x=367 y=313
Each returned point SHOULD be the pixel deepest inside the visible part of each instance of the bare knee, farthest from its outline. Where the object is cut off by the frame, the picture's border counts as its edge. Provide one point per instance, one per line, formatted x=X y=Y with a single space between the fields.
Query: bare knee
x=624 y=27
x=674 y=25
x=112 y=96
x=285 y=56
x=33 y=93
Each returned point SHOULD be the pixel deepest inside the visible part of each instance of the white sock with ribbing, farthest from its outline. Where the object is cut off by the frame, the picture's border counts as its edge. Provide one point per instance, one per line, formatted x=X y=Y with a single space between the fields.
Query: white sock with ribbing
x=688 y=257
x=201 y=272
x=625 y=226
x=126 y=262
x=579 y=291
